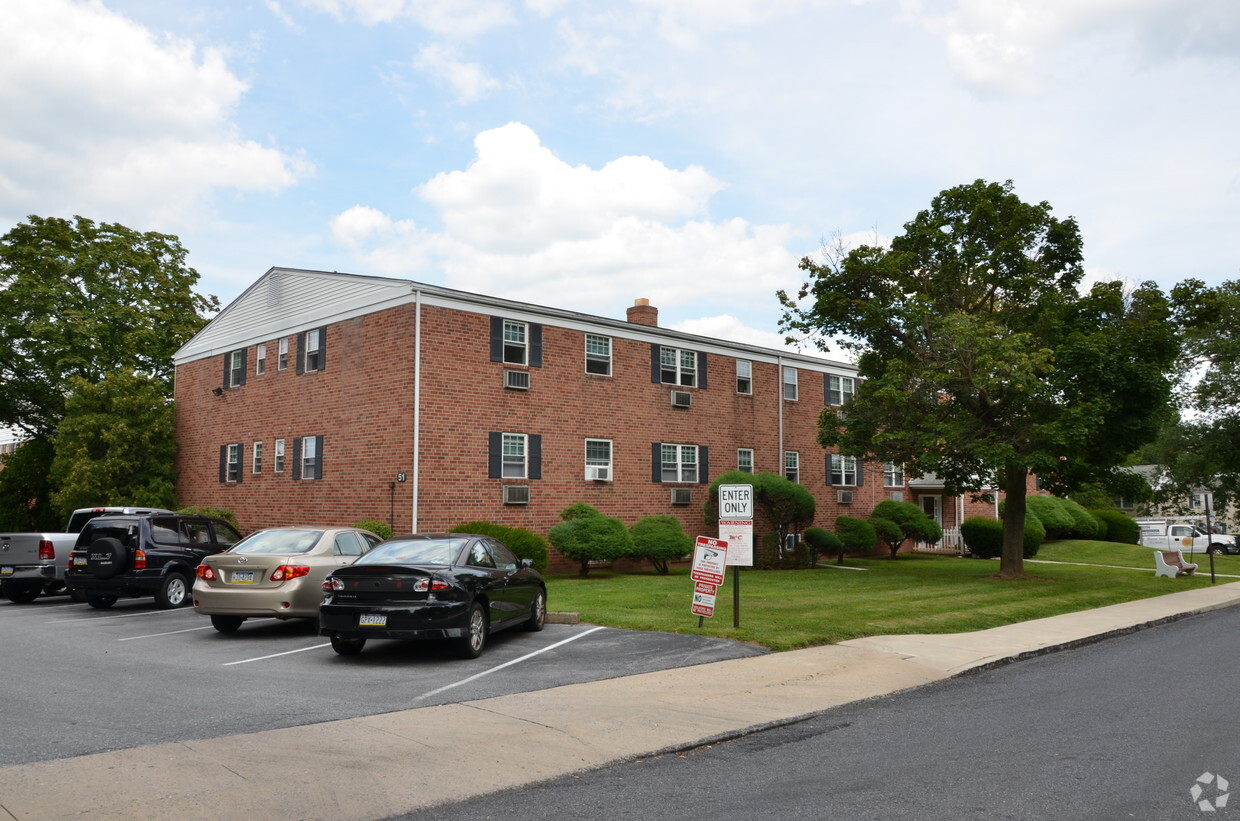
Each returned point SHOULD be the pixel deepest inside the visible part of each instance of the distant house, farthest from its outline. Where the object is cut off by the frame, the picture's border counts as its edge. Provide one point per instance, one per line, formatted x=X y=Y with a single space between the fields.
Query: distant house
x=328 y=398
x=1194 y=502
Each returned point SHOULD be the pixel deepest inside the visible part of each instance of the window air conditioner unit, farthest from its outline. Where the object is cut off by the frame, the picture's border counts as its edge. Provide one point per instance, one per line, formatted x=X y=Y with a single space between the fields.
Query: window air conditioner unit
x=897 y=496
x=517 y=380
x=681 y=399
x=598 y=474
x=516 y=494
x=682 y=495
x=844 y=497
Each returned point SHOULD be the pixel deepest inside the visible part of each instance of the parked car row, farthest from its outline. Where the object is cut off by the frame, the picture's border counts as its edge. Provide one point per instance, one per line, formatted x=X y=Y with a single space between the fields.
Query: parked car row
x=453 y=586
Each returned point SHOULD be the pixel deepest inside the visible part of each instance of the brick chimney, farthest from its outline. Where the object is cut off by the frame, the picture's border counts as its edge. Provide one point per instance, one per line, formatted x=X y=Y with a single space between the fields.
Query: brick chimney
x=643 y=313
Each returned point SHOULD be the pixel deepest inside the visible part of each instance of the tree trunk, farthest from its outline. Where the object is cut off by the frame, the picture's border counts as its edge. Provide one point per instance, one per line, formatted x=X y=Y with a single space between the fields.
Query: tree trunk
x=1012 y=560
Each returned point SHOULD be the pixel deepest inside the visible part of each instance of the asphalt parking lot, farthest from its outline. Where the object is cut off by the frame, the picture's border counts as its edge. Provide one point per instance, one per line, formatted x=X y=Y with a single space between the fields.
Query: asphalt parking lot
x=74 y=680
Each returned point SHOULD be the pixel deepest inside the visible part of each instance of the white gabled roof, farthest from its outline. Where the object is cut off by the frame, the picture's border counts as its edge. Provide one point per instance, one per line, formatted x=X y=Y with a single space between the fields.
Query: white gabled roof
x=286 y=301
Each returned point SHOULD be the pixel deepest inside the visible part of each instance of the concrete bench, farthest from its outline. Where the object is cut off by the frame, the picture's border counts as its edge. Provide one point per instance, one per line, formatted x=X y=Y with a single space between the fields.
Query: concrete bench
x=1170 y=563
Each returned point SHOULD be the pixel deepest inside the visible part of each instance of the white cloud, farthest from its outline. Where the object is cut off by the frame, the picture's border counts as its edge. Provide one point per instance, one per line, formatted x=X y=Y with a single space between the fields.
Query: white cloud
x=100 y=114
x=468 y=80
x=521 y=223
x=454 y=18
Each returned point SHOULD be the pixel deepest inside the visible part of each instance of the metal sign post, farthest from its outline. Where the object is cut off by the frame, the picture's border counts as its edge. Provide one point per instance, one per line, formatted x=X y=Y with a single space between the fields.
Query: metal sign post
x=736 y=528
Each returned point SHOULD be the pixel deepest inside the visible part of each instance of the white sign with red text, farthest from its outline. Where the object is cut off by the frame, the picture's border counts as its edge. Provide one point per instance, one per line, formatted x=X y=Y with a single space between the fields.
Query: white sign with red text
x=709 y=560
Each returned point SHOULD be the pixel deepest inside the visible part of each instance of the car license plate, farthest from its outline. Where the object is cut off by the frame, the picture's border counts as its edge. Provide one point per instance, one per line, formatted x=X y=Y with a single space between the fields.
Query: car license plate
x=372 y=620
x=243 y=577
x=79 y=561
x=6 y=571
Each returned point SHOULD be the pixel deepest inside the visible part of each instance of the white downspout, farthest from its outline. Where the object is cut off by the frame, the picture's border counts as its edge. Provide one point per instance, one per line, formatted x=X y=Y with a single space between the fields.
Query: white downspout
x=417 y=407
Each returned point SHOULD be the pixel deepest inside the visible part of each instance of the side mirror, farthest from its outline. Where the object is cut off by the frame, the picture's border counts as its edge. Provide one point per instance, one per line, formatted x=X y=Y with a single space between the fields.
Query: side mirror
x=524 y=563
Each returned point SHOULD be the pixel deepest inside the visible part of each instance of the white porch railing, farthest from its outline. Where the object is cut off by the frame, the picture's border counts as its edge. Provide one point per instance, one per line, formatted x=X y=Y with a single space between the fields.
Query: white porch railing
x=950 y=543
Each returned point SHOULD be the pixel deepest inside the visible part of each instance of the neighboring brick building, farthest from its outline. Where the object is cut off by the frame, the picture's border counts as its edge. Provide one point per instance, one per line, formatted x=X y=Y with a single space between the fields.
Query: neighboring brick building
x=327 y=398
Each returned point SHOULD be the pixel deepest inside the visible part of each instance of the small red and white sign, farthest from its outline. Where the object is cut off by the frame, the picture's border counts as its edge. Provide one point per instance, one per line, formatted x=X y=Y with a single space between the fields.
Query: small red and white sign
x=710 y=557
x=703 y=605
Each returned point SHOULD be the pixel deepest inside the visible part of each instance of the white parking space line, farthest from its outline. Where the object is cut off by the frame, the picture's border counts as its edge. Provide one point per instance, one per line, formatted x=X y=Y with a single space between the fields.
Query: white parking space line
x=277 y=655
x=109 y=618
x=174 y=632
x=477 y=676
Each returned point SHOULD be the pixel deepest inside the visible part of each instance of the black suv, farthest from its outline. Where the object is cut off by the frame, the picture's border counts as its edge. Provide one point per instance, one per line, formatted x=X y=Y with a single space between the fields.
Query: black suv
x=144 y=555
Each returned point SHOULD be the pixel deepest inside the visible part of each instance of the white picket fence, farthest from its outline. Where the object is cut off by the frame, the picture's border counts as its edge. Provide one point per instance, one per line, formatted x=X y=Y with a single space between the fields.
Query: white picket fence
x=951 y=543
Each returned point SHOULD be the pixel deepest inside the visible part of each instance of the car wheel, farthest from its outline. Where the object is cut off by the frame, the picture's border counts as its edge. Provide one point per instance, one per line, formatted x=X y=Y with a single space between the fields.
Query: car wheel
x=538 y=613
x=100 y=602
x=227 y=624
x=106 y=557
x=172 y=592
x=470 y=645
x=347 y=647
x=20 y=592
x=77 y=595
x=1217 y=549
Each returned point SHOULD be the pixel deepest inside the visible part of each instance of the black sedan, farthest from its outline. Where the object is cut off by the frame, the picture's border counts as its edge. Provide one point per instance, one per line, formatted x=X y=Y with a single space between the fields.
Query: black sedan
x=432 y=586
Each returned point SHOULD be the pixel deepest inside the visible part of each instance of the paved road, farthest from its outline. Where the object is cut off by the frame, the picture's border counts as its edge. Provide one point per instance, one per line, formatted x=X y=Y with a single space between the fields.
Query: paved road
x=1121 y=729
x=75 y=680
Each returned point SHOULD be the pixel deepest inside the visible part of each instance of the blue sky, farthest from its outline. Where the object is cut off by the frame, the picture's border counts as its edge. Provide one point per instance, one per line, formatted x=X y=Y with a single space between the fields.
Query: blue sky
x=583 y=154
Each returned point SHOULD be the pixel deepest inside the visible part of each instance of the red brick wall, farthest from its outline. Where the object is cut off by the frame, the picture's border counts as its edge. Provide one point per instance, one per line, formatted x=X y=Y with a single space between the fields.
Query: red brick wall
x=362 y=403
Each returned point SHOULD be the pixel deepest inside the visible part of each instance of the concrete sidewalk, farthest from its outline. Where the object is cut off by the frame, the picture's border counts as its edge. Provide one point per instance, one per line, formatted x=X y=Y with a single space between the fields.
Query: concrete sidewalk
x=384 y=765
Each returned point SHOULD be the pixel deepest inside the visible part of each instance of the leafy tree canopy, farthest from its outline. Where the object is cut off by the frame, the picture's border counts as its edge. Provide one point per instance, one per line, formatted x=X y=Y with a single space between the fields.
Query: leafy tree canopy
x=979 y=355
x=80 y=299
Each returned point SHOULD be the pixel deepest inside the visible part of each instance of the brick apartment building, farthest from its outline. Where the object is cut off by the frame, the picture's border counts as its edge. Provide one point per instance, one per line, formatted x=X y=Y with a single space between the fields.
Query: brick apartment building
x=327 y=398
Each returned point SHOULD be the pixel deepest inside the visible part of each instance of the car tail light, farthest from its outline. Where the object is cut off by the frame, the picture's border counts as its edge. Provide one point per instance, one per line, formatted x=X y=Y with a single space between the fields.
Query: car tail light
x=46 y=550
x=139 y=560
x=332 y=584
x=430 y=585
x=289 y=571
x=205 y=572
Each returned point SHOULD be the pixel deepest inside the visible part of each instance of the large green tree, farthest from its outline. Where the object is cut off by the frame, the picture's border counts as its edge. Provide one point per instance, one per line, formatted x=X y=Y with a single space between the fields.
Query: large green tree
x=84 y=299
x=979 y=355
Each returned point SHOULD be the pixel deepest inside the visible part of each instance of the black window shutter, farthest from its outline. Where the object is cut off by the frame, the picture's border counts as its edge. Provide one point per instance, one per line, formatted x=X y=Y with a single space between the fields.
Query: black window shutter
x=535 y=345
x=701 y=357
x=497 y=339
x=240 y=456
x=227 y=370
x=535 y=456
x=245 y=359
x=301 y=356
x=224 y=461
x=828 y=470
x=495 y=455
x=318 y=456
x=323 y=351
x=656 y=462
x=297 y=457
x=703 y=461
x=656 y=362
x=860 y=474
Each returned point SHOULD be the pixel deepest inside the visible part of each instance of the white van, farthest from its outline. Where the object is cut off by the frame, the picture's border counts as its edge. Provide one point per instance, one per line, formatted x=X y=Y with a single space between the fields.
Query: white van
x=1184 y=533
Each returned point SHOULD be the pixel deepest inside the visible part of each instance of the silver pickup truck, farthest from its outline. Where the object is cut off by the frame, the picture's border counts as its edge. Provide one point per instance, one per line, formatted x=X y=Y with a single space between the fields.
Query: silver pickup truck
x=33 y=564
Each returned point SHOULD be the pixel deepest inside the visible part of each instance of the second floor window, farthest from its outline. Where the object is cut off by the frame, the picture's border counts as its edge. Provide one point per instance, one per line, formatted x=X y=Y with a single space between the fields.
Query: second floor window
x=282 y=356
x=257 y=462
x=279 y=465
x=260 y=360
x=314 y=350
x=233 y=467
x=236 y=368
x=515 y=347
x=513 y=464
x=792 y=466
x=744 y=460
x=790 y=384
x=839 y=390
x=744 y=376
x=842 y=470
x=680 y=463
x=893 y=475
x=677 y=367
x=598 y=354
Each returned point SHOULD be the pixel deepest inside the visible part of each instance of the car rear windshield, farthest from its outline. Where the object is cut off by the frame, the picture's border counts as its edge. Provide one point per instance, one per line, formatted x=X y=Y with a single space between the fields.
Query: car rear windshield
x=123 y=532
x=277 y=542
x=440 y=552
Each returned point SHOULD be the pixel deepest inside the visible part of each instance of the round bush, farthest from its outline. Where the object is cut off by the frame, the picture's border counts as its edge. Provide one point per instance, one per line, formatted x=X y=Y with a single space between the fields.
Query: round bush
x=1084 y=526
x=376 y=527
x=983 y=536
x=660 y=539
x=1119 y=528
x=1035 y=534
x=1050 y=511
x=857 y=535
x=823 y=542
x=591 y=539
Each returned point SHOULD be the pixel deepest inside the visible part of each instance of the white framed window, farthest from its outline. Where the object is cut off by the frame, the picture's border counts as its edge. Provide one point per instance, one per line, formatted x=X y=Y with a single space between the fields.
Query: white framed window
x=598 y=354
x=513 y=461
x=282 y=355
x=278 y=467
x=843 y=470
x=744 y=376
x=893 y=475
x=598 y=460
x=314 y=350
x=260 y=359
x=792 y=466
x=1197 y=501
x=233 y=467
x=516 y=344
x=236 y=368
x=840 y=389
x=678 y=367
x=790 y=384
x=744 y=460
x=309 y=456
x=680 y=463
x=256 y=462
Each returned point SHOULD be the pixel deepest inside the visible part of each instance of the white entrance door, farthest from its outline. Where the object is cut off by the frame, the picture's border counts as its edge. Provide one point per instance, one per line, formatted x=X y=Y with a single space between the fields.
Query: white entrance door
x=933 y=507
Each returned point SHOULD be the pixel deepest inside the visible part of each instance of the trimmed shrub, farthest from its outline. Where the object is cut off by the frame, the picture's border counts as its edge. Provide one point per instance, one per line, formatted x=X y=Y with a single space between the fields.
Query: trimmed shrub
x=857 y=535
x=1053 y=515
x=824 y=543
x=376 y=527
x=983 y=536
x=1084 y=526
x=1119 y=528
x=526 y=544
x=1035 y=534
x=887 y=532
x=213 y=512
x=660 y=539
x=910 y=519
x=589 y=538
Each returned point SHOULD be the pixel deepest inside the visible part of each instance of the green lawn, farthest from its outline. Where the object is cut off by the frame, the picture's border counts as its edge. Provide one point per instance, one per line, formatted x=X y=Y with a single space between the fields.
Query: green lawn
x=787 y=609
